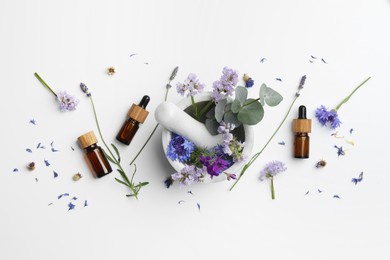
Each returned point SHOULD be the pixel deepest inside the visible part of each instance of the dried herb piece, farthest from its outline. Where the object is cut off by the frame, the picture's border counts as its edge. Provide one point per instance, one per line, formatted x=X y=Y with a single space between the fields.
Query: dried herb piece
x=31 y=166
x=63 y=195
x=321 y=163
x=198 y=205
x=77 y=176
x=28 y=150
x=32 y=121
x=55 y=174
x=282 y=143
x=111 y=71
x=15 y=170
x=85 y=203
x=262 y=60
x=71 y=206
x=180 y=201
x=336 y=196
x=319 y=191
x=358 y=179
x=306 y=193
x=279 y=79
x=47 y=162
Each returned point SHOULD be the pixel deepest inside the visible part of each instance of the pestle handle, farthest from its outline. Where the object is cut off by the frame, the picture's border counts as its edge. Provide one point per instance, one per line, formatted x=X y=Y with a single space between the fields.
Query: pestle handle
x=176 y=120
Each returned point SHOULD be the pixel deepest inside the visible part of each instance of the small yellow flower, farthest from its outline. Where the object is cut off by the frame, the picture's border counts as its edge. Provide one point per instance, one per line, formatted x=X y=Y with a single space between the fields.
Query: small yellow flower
x=77 y=176
x=111 y=71
x=31 y=166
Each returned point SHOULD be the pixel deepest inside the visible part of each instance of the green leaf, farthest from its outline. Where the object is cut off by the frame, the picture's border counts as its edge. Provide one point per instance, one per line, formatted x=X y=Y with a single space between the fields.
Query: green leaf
x=109 y=157
x=141 y=184
x=212 y=126
x=252 y=113
x=236 y=106
x=271 y=97
x=122 y=182
x=124 y=176
x=230 y=117
x=211 y=113
x=241 y=95
x=220 y=110
x=117 y=152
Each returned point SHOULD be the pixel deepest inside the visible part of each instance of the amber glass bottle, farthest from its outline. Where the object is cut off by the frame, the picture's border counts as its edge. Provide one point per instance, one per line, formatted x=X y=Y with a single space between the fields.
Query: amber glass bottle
x=94 y=153
x=301 y=128
x=137 y=114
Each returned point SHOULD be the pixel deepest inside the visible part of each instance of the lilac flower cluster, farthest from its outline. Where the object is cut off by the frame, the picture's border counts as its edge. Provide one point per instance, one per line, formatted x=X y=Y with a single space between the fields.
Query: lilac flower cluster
x=231 y=146
x=67 y=102
x=191 y=84
x=226 y=85
x=272 y=169
x=188 y=175
x=326 y=116
x=179 y=148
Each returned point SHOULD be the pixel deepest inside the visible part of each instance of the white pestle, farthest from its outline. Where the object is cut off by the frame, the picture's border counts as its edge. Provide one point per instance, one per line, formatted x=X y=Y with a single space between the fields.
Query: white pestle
x=176 y=120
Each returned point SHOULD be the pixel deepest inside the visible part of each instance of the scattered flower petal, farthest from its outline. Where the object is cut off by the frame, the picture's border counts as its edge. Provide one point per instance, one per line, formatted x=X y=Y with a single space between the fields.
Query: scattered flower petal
x=85 y=203
x=336 y=196
x=36 y=179
x=74 y=198
x=168 y=182
x=358 y=179
x=190 y=192
x=180 y=201
x=51 y=203
x=47 y=162
x=40 y=146
x=111 y=71
x=32 y=121
x=324 y=61
x=319 y=191
x=349 y=142
x=351 y=130
x=55 y=174
x=282 y=143
x=306 y=193
x=313 y=57
x=336 y=135
x=72 y=148
x=262 y=60
x=278 y=79
x=29 y=150
x=249 y=82
x=198 y=205
x=340 y=150
x=71 y=206
x=15 y=170
x=63 y=195
x=321 y=163
x=52 y=147
x=133 y=54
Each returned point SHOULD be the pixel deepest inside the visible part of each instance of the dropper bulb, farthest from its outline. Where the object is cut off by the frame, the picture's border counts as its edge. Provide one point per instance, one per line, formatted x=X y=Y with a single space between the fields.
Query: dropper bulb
x=302 y=112
x=144 y=101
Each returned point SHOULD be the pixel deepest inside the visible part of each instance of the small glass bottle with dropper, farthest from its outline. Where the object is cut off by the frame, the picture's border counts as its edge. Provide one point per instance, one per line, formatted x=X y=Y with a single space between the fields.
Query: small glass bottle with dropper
x=301 y=128
x=94 y=153
x=137 y=114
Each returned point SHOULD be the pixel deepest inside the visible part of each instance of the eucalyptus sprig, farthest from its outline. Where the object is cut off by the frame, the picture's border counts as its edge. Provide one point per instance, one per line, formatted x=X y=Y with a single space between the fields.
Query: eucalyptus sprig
x=242 y=110
x=270 y=101
x=168 y=86
x=115 y=158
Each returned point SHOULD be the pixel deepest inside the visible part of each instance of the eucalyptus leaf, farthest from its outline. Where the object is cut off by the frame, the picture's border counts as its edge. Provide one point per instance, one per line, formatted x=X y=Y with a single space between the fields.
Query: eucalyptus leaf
x=236 y=106
x=252 y=113
x=230 y=117
x=211 y=113
x=220 y=110
x=212 y=126
x=271 y=97
x=241 y=95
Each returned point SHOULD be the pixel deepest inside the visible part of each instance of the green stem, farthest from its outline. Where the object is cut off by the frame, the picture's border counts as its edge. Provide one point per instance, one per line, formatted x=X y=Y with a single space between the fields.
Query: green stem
x=256 y=155
x=44 y=84
x=205 y=108
x=147 y=140
x=195 y=107
x=350 y=95
x=253 y=101
x=272 y=188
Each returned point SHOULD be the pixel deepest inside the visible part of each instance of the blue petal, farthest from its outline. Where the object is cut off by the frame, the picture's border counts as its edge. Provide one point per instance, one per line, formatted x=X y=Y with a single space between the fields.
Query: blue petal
x=85 y=203
x=336 y=196
x=71 y=206
x=16 y=170
x=47 y=163
x=55 y=174
x=29 y=150
x=32 y=121
x=197 y=204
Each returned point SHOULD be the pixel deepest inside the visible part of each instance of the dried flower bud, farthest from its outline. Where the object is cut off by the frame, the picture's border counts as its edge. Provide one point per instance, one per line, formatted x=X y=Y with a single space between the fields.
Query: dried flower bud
x=77 y=176
x=174 y=73
x=321 y=163
x=111 y=71
x=31 y=166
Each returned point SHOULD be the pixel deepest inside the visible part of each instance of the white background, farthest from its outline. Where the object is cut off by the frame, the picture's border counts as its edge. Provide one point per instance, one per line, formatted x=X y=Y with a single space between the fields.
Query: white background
x=69 y=42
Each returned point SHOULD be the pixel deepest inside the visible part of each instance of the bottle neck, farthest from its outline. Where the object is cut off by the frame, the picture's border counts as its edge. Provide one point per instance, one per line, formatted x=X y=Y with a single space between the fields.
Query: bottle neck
x=91 y=147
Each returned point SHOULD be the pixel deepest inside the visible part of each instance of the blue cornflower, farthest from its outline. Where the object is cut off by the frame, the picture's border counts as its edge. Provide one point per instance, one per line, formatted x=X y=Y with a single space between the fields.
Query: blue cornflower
x=271 y=170
x=249 y=82
x=179 y=148
x=326 y=116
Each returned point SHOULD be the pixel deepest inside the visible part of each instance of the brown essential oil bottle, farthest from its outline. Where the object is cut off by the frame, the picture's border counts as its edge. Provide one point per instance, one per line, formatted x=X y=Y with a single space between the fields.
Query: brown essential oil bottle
x=137 y=114
x=301 y=128
x=94 y=153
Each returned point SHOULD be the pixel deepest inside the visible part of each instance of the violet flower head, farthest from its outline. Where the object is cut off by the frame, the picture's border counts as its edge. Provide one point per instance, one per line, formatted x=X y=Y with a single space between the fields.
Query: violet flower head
x=67 y=102
x=85 y=89
x=272 y=169
x=326 y=116
x=179 y=148
x=191 y=84
x=214 y=165
x=188 y=175
x=226 y=85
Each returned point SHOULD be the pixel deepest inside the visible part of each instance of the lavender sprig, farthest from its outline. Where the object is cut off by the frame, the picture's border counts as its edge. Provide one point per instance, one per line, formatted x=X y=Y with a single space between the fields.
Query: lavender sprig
x=135 y=188
x=256 y=155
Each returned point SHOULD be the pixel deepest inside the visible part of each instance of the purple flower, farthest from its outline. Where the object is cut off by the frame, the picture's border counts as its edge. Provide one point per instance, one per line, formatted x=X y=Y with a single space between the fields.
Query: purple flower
x=326 y=116
x=191 y=84
x=179 y=148
x=71 y=206
x=188 y=175
x=67 y=101
x=226 y=85
x=214 y=165
x=230 y=176
x=271 y=169
x=84 y=88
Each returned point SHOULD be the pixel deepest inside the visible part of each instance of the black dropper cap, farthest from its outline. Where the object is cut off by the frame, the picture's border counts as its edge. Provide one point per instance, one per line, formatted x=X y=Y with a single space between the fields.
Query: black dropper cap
x=144 y=101
x=302 y=112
